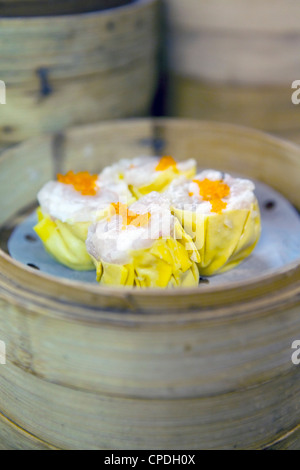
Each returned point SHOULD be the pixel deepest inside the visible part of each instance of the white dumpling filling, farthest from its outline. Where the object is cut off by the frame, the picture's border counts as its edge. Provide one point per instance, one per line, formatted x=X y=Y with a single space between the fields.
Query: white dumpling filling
x=185 y=194
x=61 y=201
x=112 y=242
x=140 y=171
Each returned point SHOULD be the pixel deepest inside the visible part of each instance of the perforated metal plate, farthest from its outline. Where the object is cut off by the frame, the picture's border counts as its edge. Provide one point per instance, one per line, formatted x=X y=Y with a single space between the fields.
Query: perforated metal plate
x=279 y=244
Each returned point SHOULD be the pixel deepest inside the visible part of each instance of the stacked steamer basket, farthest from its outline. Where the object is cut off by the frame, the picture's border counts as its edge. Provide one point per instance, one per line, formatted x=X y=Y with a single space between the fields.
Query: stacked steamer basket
x=59 y=7
x=89 y=367
x=74 y=68
x=235 y=61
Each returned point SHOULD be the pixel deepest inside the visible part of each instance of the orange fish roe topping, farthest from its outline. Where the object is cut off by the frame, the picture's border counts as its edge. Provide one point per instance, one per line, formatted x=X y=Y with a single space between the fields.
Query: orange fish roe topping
x=214 y=192
x=130 y=217
x=165 y=163
x=218 y=205
x=83 y=182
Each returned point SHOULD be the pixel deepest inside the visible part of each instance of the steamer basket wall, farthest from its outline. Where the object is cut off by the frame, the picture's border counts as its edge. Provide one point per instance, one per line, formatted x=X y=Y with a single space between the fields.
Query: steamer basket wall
x=234 y=61
x=77 y=69
x=96 y=368
x=12 y=8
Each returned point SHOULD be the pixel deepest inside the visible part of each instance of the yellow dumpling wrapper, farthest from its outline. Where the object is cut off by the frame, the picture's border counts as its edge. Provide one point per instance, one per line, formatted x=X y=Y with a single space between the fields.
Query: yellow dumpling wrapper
x=162 y=180
x=222 y=240
x=165 y=264
x=66 y=241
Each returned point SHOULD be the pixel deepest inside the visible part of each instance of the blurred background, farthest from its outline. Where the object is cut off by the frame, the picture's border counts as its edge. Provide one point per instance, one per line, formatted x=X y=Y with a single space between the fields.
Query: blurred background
x=67 y=63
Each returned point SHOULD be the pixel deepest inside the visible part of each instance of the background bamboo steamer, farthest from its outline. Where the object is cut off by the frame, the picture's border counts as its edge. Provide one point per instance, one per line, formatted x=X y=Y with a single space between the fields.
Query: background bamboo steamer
x=234 y=61
x=77 y=69
x=57 y=7
x=90 y=367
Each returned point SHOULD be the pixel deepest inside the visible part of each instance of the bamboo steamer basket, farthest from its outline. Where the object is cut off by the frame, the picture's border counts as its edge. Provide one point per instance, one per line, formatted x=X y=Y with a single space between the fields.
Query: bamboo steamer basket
x=77 y=69
x=90 y=367
x=234 y=61
x=60 y=7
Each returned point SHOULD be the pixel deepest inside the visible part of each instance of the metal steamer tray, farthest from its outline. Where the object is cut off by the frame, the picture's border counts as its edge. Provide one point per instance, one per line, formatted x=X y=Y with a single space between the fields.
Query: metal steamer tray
x=278 y=246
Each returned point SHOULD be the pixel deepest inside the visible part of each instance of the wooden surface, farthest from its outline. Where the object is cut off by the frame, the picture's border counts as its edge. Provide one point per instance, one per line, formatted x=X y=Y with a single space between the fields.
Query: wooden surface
x=74 y=69
x=90 y=367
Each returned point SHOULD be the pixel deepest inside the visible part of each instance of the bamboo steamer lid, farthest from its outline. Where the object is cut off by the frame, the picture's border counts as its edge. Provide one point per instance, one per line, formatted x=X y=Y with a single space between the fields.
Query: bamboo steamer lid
x=76 y=69
x=234 y=61
x=91 y=367
x=57 y=7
